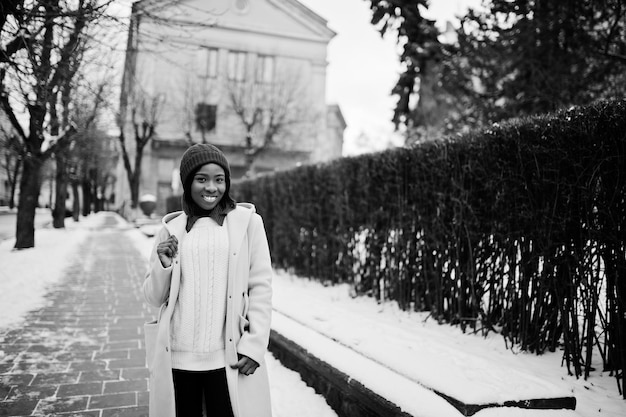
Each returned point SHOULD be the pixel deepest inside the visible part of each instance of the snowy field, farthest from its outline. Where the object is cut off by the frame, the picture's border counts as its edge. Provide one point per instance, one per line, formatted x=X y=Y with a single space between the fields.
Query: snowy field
x=392 y=352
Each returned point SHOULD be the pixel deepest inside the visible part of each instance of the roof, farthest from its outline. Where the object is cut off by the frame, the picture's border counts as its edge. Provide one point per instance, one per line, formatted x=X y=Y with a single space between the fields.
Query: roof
x=217 y=13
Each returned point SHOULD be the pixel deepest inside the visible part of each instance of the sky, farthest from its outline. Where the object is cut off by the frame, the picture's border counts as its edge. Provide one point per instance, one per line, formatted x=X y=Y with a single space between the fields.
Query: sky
x=400 y=355
x=363 y=68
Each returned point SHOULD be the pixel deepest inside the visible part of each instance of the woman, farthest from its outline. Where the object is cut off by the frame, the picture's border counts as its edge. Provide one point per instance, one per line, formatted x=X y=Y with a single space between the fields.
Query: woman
x=210 y=271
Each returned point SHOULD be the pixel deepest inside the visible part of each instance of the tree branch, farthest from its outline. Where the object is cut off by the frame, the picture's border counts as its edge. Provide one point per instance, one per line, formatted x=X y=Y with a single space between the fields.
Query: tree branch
x=69 y=49
x=6 y=106
x=617 y=57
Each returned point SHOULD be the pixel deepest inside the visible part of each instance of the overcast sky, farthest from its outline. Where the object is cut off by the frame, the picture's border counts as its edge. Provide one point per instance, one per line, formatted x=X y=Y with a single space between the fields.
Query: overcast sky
x=363 y=68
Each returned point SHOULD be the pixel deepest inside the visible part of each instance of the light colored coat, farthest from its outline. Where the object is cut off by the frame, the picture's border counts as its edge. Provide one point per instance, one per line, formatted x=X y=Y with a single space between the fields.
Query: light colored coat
x=248 y=312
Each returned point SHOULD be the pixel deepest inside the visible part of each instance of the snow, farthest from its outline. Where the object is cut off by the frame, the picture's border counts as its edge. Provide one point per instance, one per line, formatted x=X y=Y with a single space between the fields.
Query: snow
x=42 y=266
x=38 y=268
x=413 y=399
x=399 y=355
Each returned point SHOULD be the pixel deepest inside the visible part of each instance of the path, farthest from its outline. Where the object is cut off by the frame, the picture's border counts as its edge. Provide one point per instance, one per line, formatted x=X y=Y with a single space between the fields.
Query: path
x=82 y=355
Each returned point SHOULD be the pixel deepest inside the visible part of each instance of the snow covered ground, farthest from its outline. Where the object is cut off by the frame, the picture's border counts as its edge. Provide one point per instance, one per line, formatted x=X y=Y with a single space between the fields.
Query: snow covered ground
x=394 y=353
x=27 y=275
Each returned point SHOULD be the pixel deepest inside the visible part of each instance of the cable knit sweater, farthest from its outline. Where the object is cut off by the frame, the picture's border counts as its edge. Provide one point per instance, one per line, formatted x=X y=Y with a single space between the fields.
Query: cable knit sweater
x=199 y=315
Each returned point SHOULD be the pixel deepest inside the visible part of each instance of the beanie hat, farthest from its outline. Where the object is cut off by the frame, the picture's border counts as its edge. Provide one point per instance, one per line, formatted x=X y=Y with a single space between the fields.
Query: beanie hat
x=201 y=154
x=194 y=157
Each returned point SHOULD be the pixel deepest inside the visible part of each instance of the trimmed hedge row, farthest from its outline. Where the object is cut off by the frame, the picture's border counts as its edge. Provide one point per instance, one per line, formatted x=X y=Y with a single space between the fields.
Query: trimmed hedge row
x=519 y=229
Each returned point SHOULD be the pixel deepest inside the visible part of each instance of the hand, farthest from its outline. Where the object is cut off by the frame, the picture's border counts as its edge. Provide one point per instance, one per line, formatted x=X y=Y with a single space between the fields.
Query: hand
x=167 y=250
x=246 y=365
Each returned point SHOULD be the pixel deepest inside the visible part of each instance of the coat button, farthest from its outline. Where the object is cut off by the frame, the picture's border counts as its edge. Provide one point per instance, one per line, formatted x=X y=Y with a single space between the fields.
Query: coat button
x=167 y=349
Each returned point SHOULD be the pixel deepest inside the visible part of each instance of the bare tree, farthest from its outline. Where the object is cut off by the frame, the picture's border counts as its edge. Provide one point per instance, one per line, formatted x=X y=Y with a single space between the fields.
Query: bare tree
x=93 y=161
x=145 y=111
x=269 y=109
x=77 y=152
x=46 y=39
x=62 y=147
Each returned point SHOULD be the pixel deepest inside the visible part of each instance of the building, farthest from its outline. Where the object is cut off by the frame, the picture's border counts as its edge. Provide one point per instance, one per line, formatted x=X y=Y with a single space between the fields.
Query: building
x=247 y=76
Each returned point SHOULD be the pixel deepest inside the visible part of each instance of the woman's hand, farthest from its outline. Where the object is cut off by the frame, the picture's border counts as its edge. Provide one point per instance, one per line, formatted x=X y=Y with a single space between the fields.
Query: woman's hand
x=245 y=365
x=167 y=250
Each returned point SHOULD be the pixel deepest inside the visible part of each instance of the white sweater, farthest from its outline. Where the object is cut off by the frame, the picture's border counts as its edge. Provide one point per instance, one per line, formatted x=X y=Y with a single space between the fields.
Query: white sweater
x=198 y=322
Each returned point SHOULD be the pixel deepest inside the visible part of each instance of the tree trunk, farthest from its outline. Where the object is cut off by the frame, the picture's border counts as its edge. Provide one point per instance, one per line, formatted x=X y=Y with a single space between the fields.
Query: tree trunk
x=76 y=201
x=13 y=181
x=58 y=213
x=30 y=186
x=134 y=191
x=620 y=318
x=86 y=187
x=97 y=206
x=136 y=179
x=131 y=176
x=249 y=153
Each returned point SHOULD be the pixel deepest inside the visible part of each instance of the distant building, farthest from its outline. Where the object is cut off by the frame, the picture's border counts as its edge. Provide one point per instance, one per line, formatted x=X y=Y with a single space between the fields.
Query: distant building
x=196 y=61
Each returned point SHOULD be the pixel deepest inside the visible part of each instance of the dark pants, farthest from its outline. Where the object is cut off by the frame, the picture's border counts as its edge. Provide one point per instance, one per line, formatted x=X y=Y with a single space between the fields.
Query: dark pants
x=191 y=386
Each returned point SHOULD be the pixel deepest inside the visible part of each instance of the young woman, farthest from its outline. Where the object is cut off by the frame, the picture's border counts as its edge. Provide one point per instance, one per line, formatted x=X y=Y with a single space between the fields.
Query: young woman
x=211 y=273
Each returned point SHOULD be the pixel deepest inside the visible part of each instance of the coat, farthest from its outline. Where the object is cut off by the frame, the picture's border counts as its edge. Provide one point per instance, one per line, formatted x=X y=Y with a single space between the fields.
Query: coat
x=248 y=312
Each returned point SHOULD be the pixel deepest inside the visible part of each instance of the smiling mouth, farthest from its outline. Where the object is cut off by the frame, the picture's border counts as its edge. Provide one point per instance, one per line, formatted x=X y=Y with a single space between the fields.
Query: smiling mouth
x=209 y=198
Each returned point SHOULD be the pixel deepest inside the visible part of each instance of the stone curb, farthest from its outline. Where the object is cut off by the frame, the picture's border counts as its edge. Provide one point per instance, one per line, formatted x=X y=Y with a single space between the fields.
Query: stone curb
x=347 y=396
x=350 y=398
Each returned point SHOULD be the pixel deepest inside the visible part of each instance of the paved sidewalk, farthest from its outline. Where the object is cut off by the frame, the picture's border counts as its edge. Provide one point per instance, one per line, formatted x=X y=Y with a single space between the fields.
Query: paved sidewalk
x=82 y=355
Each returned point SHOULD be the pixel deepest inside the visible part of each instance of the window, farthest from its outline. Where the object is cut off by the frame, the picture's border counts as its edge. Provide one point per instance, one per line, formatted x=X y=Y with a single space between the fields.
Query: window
x=207 y=62
x=265 y=69
x=208 y=66
x=205 y=117
x=236 y=66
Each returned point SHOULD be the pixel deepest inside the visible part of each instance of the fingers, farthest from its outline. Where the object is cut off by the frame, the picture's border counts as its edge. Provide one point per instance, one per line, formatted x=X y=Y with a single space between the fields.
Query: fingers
x=245 y=365
x=168 y=247
x=166 y=250
x=172 y=243
x=249 y=367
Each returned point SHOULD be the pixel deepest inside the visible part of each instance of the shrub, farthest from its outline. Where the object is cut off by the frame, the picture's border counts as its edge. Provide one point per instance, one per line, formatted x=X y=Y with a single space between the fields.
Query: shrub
x=520 y=228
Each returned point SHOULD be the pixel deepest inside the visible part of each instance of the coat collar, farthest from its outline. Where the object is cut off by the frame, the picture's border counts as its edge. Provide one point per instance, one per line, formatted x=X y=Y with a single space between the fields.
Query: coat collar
x=236 y=221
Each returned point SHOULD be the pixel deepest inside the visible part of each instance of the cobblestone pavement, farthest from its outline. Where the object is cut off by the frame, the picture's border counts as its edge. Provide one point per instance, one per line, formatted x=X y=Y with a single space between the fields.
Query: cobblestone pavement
x=82 y=354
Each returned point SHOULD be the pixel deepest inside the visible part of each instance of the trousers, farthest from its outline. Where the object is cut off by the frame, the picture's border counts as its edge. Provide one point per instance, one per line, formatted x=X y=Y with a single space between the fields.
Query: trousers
x=195 y=389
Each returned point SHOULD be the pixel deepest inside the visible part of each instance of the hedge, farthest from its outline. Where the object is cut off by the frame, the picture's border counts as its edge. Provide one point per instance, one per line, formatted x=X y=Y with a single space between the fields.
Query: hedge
x=518 y=229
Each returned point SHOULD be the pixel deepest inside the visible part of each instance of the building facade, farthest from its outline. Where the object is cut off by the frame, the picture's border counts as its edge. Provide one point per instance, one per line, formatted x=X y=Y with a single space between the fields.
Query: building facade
x=247 y=76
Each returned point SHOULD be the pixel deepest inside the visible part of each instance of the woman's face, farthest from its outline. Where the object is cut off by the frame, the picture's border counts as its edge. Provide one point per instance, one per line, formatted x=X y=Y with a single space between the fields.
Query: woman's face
x=208 y=186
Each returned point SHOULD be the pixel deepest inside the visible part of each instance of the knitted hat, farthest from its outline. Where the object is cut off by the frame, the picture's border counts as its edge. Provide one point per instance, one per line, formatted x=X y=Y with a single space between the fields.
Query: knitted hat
x=194 y=157
x=201 y=154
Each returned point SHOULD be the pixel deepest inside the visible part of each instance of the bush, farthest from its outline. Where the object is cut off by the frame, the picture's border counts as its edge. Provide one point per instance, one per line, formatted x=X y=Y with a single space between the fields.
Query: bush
x=519 y=229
